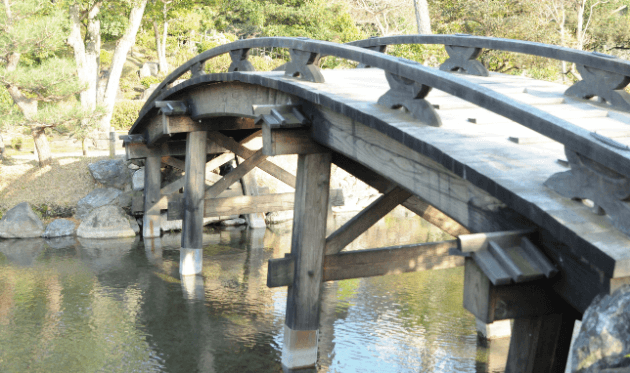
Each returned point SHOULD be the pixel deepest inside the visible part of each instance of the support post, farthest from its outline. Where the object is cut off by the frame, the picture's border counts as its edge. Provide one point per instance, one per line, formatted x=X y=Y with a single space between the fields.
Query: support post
x=540 y=344
x=194 y=189
x=307 y=247
x=151 y=221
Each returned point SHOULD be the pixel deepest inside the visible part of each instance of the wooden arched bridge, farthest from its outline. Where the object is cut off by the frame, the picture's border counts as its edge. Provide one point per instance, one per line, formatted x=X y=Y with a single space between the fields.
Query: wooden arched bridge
x=531 y=177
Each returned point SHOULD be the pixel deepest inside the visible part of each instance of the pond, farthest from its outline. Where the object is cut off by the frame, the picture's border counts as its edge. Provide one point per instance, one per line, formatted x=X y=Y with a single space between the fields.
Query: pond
x=75 y=305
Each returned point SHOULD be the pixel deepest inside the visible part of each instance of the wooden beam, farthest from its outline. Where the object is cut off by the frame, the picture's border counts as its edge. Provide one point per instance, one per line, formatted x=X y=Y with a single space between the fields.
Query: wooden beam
x=215 y=189
x=414 y=203
x=289 y=141
x=137 y=150
x=137 y=204
x=241 y=205
x=490 y=303
x=480 y=241
x=540 y=344
x=151 y=221
x=308 y=240
x=255 y=219
x=161 y=127
x=372 y=262
x=272 y=169
x=365 y=219
x=210 y=176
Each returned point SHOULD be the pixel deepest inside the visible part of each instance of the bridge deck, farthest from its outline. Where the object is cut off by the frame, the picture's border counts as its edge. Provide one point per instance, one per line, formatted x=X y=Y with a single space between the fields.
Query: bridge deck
x=504 y=158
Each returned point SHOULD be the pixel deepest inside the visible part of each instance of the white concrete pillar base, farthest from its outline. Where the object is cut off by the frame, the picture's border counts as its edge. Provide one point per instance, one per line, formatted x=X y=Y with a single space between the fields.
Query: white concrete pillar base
x=299 y=349
x=190 y=261
x=498 y=329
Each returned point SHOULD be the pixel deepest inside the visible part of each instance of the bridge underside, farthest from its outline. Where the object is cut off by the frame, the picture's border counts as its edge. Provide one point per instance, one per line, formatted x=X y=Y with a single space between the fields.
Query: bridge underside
x=464 y=177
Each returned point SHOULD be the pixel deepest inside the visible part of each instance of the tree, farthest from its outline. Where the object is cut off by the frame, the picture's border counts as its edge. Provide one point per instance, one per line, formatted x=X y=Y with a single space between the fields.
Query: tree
x=41 y=83
x=160 y=12
x=423 y=19
x=87 y=50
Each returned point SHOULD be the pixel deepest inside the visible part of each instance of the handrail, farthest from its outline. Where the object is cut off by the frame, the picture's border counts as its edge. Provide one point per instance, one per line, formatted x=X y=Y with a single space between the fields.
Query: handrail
x=572 y=136
x=601 y=61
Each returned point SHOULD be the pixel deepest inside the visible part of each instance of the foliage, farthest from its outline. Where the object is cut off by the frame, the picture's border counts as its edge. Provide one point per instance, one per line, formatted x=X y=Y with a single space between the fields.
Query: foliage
x=106 y=58
x=148 y=80
x=125 y=114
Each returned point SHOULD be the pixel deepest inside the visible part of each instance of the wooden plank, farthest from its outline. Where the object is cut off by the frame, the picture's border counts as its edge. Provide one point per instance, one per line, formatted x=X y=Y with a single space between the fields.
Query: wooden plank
x=491 y=268
x=151 y=222
x=414 y=203
x=137 y=204
x=479 y=241
x=506 y=262
x=194 y=191
x=540 y=344
x=161 y=127
x=178 y=184
x=255 y=219
x=215 y=189
x=289 y=141
x=539 y=258
x=241 y=205
x=365 y=219
x=372 y=262
x=490 y=303
x=171 y=148
x=308 y=240
x=241 y=151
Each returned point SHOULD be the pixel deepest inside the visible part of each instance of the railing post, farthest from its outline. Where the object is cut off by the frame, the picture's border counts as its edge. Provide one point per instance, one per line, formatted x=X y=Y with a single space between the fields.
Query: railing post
x=307 y=247
x=190 y=259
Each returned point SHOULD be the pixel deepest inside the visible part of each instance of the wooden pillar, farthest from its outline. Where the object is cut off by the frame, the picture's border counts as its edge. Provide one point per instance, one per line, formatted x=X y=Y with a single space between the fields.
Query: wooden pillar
x=194 y=189
x=540 y=344
x=250 y=188
x=152 y=179
x=307 y=248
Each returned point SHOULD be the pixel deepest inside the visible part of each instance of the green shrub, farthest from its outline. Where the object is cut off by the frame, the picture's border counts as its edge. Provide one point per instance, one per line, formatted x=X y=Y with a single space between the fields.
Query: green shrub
x=148 y=80
x=106 y=58
x=125 y=114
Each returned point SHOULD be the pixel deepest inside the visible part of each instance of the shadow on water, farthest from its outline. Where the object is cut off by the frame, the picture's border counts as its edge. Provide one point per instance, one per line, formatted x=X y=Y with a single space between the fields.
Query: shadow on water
x=76 y=305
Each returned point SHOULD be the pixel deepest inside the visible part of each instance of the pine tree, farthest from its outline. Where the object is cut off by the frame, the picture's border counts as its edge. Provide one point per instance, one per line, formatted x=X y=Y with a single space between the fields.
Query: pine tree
x=41 y=81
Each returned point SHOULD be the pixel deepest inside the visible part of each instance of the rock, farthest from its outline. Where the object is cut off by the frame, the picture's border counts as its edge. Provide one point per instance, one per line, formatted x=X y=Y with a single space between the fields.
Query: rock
x=21 y=222
x=137 y=180
x=134 y=225
x=604 y=338
x=106 y=222
x=233 y=222
x=279 y=217
x=60 y=228
x=97 y=198
x=111 y=173
x=148 y=69
x=133 y=166
x=148 y=92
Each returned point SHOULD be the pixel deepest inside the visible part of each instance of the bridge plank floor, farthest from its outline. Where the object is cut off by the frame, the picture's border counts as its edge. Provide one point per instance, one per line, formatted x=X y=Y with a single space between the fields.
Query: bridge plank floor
x=517 y=170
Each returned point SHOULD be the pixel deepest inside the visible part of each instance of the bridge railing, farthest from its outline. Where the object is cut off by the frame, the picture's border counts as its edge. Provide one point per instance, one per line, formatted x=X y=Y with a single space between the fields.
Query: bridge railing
x=410 y=82
x=603 y=75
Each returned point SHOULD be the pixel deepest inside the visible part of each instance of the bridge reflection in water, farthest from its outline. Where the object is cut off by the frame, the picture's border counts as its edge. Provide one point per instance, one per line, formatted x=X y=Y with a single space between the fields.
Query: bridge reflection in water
x=121 y=306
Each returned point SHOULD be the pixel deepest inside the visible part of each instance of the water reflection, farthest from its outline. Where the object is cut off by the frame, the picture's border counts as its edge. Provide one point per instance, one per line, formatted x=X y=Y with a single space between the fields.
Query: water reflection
x=121 y=306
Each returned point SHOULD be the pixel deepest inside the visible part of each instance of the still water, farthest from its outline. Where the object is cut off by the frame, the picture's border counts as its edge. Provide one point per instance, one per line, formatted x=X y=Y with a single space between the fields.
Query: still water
x=76 y=305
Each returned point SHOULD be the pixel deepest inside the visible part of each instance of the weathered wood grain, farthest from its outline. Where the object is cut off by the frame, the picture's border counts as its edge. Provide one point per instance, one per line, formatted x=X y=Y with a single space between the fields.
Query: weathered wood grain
x=372 y=262
x=151 y=223
x=289 y=141
x=138 y=150
x=308 y=240
x=162 y=127
x=365 y=219
x=194 y=191
x=236 y=174
x=241 y=151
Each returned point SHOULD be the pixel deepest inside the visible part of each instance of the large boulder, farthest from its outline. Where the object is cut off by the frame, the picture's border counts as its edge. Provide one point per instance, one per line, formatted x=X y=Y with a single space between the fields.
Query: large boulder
x=604 y=338
x=97 y=198
x=106 y=222
x=111 y=173
x=137 y=180
x=148 y=69
x=60 y=228
x=21 y=222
